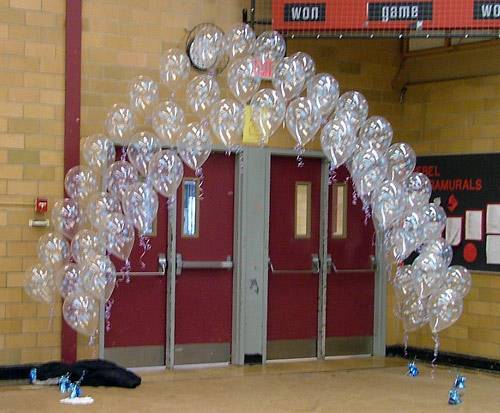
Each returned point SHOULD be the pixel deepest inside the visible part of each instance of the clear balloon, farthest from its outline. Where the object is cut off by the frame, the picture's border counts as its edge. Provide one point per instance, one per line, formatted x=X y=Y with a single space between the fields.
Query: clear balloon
x=302 y=120
x=81 y=312
x=414 y=313
x=289 y=78
x=226 y=121
x=375 y=132
x=242 y=80
x=120 y=123
x=353 y=101
x=444 y=309
x=53 y=250
x=143 y=94
x=307 y=63
x=388 y=203
x=435 y=221
x=80 y=182
x=405 y=283
x=39 y=283
x=98 y=277
x=166 y=172
x=168 y=121
x=201 y=93
x=140 y=205
x=120 y=236
x=119 y=176
x=88 y=243
x=67 y=217
x=206 y=47
x=98 y=151
x=369 y=170
x=458 y=279
x=141 y=150
x=402 y=161
x=268 y=112
x=239 y=41
x=323 y=90
x=429 y=269
x=418 y=188
x=354 y=118
x=68 y=280
x=338 y=141
x=402 y=243
x=413 y=223
x=270 y=46
x=174 y=68
x=100 y=206
x=195 y=145
x=441 y=248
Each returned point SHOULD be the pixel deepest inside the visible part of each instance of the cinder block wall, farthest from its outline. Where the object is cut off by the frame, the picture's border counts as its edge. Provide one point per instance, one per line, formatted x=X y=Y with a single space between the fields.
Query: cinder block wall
x=31 y=163
x=461 y=116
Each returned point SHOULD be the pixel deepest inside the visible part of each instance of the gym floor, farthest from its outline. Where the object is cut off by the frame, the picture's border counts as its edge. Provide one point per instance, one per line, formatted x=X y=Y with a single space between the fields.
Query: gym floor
x=340 y=385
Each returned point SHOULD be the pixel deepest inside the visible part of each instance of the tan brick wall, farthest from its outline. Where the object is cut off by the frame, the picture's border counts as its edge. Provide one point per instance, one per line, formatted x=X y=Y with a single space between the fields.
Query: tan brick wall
x=31 y=163
x=461 y=116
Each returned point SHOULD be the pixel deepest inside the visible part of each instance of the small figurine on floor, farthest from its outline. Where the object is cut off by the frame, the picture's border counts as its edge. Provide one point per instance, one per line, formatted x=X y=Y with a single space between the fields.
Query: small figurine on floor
x=75 y=393
x=33 y=375
x=64 y=383
x=412 y=369
x=454 y=396
x=459 y=382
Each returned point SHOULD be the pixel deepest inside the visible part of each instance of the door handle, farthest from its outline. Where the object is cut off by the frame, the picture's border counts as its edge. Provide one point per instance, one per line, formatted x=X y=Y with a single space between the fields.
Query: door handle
x=202 y=265
x=162 y=268
x=330 y=264
x=315 y=264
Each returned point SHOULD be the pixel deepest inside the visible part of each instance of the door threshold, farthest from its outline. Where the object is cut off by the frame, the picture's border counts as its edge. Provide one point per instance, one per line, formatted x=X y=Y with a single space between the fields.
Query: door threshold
x=147 y=369
x=350 y=356
x=201 y=366
x=294 y=360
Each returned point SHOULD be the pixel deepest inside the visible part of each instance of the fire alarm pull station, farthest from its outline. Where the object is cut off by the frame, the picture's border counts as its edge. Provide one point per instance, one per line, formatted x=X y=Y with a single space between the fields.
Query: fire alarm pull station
x=41 y=205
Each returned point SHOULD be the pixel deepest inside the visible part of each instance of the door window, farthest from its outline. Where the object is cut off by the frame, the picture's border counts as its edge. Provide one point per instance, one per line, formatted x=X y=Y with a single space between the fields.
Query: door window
x=302 y=210
x=190 y=208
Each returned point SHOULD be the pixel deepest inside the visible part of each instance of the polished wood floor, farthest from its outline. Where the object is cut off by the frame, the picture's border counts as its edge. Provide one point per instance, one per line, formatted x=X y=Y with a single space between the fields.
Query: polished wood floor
x=342 y=385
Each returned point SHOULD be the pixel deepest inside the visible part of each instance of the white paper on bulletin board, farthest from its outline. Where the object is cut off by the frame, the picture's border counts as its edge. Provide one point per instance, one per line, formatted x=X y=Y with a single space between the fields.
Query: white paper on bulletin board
x=454 y=230
x=493 y=249
x=493 y=219
x=474 y=225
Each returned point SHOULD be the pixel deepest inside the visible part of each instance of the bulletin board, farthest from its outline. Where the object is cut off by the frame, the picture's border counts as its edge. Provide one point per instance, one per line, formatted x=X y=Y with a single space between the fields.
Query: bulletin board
x=469 y=189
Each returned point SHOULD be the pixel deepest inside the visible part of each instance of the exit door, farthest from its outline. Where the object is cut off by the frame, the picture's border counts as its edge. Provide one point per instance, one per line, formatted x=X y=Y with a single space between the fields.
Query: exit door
x=204 y=284
x=294 y=244
x=350 y=283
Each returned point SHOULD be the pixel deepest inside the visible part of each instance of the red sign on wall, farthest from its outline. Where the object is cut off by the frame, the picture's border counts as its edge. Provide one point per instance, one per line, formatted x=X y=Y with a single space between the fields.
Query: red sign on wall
x=315 y=15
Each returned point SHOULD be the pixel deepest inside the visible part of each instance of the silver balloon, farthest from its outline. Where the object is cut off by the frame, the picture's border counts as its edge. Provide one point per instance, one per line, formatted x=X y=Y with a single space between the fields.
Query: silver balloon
x=402 y=161
x=388 y=203
x=369 y=170
x=68 y=280
x=207 y=46
x=80 y=182
x=419 y=189
x=226 y=121
x=141 y=150
x=166 y=172
x=143 y=94
x=168 y=121
x=307 y=63
x=353 y=101
x=119 y=176
x=140 y=205
x=338 y=141
x=444 y=309
x=323 y=90
x=67 y=217
x=458 y=279
x=239 y=41
x=100 y=206
x=242 y=79
x=39 y=283
x=375 y=132
x=270 y=46
x=302 y=120
x=435 y=221
x=202 y=92
x=98 y=277
x=119 y=235
x=53 y=250
x=195 y=145
x=174 y=68
x=81 y=312
x=289 y=78
x=98 y=151
x=120 y=123
x=268 y=112
x=88 y=243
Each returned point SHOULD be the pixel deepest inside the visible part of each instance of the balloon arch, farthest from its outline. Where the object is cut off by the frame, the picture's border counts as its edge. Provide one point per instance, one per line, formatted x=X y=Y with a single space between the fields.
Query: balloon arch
x=108 y=201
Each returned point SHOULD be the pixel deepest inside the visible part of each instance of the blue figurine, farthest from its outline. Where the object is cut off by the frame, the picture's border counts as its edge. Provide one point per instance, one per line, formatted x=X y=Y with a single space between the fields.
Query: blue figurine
x=454 y=397
x=412 y=369
x=32 y=375
x=64 y=383
x=75 y=391
x=459 y=382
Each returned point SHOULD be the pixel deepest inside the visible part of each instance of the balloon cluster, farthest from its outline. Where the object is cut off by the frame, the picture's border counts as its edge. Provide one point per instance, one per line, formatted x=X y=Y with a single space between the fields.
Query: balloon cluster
x=109 y=200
